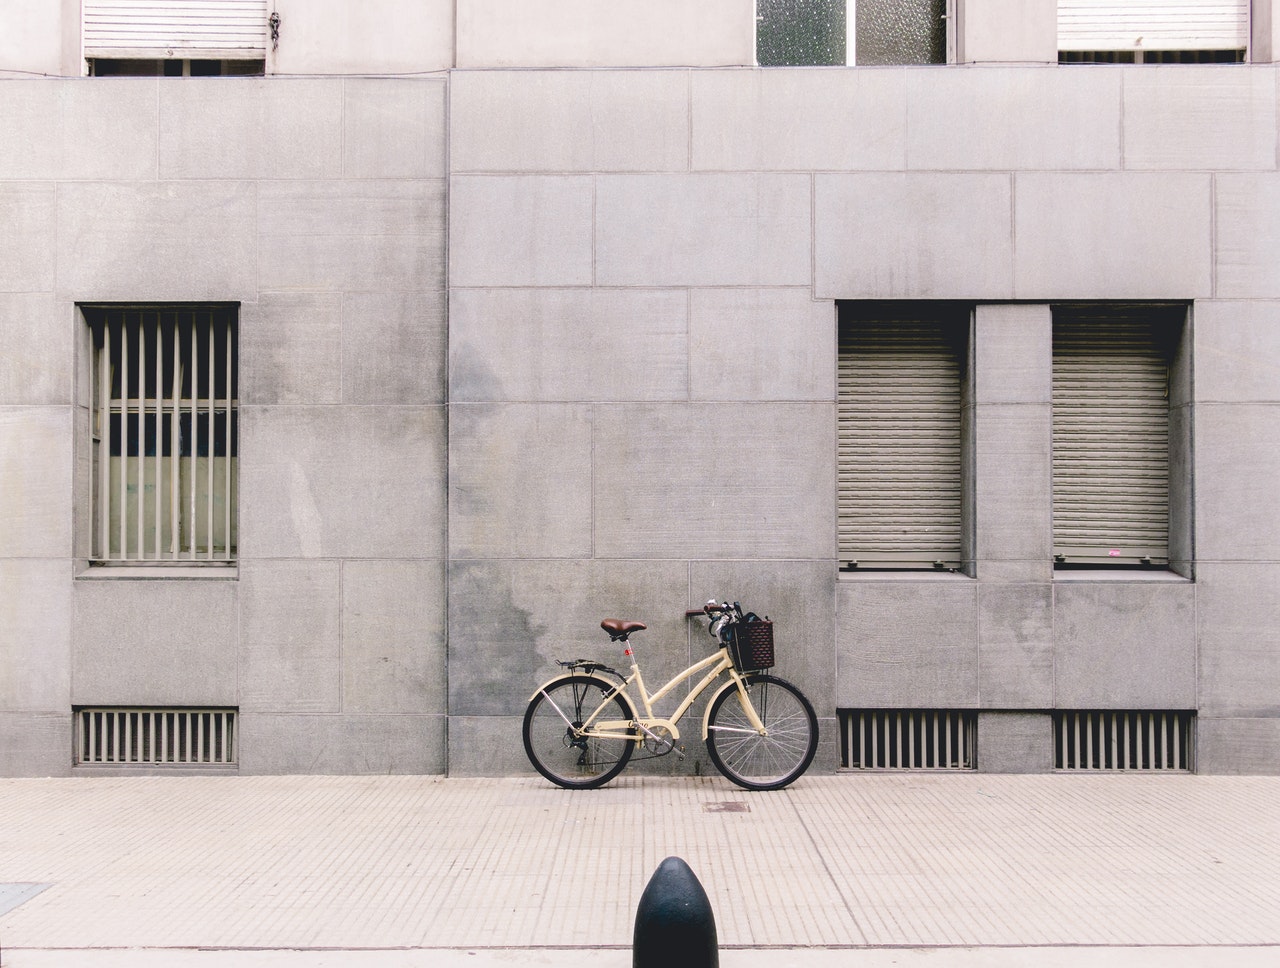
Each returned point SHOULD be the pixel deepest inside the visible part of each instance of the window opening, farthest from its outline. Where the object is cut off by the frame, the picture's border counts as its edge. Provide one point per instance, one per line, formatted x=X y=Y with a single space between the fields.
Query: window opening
x=165 y=433
x=1111 y=434
x=900 y=451
x=174 y=67
x=847 y=32
x=1152 y=31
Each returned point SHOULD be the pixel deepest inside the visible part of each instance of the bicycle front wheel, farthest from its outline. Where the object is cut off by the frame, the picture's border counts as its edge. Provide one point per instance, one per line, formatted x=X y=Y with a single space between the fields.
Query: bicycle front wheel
x=771 y=761
x=552 y=738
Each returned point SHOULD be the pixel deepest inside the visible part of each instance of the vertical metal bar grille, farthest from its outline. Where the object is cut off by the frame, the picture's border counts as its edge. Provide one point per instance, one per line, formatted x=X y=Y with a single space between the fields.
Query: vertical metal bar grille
x=155 y=737
x=1124 y=740
x=165 y=425
x=908 y=739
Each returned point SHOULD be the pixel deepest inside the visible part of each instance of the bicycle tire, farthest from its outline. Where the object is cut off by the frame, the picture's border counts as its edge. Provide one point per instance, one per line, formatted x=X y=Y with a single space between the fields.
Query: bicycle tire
x=762 y=762
x=575 y=763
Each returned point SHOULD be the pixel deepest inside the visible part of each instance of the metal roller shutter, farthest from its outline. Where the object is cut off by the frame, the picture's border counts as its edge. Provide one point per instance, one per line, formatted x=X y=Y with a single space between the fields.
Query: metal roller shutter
x=182 y=28
x=900 y=481
x=1153 y=24
x=1111 y=435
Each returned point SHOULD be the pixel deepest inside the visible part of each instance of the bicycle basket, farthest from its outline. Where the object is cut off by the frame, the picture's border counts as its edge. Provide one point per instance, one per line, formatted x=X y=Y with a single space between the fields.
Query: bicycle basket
x=751 y=645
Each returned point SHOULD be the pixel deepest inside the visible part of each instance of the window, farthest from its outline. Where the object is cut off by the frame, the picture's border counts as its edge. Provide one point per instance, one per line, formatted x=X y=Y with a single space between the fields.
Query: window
x=1124 y=740
x=908 y=739
x=1112 y=386
x=839 y=32
x=1152 y=31
x=165 y=432
x=176 y=737
x=174 y=67
x=901 y=487
x=208 y=37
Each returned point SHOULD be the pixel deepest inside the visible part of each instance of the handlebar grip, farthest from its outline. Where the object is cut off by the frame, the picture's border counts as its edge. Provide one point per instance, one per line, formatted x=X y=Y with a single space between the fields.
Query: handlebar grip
x=691 y=612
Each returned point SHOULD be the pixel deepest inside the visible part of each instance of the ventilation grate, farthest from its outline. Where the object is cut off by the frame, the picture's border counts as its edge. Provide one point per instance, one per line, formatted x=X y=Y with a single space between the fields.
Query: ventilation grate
x=156 y=737
x=908 y=739
x=1119 y=740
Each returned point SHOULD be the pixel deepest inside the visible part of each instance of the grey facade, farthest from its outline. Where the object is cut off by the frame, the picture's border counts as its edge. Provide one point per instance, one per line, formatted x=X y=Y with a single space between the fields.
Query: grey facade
x=522 y=349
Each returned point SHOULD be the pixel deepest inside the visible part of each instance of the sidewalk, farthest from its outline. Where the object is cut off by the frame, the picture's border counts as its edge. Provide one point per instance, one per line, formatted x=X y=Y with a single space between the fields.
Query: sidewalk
x=384 y=872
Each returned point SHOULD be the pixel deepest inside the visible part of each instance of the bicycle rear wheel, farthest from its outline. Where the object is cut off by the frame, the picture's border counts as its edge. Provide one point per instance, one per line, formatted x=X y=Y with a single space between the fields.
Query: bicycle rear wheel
x=766 y=762
x=557 y=752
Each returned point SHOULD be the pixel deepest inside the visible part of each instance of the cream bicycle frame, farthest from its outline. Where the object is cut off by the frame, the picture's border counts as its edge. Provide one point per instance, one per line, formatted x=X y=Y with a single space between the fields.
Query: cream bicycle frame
x=627 y=729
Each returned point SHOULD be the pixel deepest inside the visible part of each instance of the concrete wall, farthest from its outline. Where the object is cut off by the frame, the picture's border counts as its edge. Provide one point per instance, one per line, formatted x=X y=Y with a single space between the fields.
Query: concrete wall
x=669 y=276
x=319 y=206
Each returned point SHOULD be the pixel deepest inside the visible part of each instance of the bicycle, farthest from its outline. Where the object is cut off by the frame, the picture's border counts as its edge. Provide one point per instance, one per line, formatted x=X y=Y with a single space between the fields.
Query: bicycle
x=581 y=728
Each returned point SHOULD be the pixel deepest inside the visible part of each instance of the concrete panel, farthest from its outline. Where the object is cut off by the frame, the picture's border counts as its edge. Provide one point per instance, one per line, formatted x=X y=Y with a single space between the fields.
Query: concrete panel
x=1015 y=646
x=393 y=637
x=914 y=236
x=155 y=643
x=104 y=127
x=520 y=481
x=800 y=120
x=393 y=127
x=31 y=42
x=248 y=127
x=35 y=479
x=1247 y=236
x=624 y=33
x=1113 y=235
x=35 y=636
x=1218 y=116
x=342 y=482
x=1237 y=746
x=761 y=344
x=363 y=36
x=703 y=230
x=510 y=621
x=394 y=347
x=341 y=745
x=1015 y=742
x=1237 y=352
x=1013 y=491
x=487 y=746
x=1238 y=620
x=162 y=240
x=38 y=341
x=799 y=597
x=715 y=481
x=1008 y=31
x=569 y=121
x=35 y=744
x=27 y=244
x=1125 y=645
x=568 y=344
x=1006 y=118
x=291 y=349
x=520 y=231
x=1237 y=459
x=1013 y=354
x=290 y=650
x=362 y=236
x=907 y=643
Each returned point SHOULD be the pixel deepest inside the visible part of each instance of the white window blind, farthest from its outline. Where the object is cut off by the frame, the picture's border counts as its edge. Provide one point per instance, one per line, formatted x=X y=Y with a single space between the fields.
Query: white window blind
x=1137 y=25
x=181 y=28
x=165 y=429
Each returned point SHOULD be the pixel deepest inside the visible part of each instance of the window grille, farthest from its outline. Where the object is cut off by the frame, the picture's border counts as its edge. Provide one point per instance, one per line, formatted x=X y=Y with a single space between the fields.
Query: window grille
x=156 y=737
x=1118 y=740
x=908 y=739
x=165 y=433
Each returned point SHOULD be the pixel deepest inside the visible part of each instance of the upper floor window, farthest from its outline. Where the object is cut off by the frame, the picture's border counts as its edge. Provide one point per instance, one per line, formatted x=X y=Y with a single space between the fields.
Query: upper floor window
x=183 y=38
x=838 y=32
x=1152 y=31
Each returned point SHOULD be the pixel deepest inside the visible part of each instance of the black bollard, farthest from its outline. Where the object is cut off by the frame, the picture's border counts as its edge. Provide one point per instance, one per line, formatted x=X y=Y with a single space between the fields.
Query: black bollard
x=675 y=927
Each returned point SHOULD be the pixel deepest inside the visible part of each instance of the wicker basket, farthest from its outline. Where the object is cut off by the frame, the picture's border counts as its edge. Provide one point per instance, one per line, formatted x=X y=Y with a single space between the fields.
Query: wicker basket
x=751 y=645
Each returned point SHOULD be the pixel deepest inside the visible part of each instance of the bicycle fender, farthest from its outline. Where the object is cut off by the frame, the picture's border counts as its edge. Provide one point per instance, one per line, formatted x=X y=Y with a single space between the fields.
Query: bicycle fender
x=604 y=683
